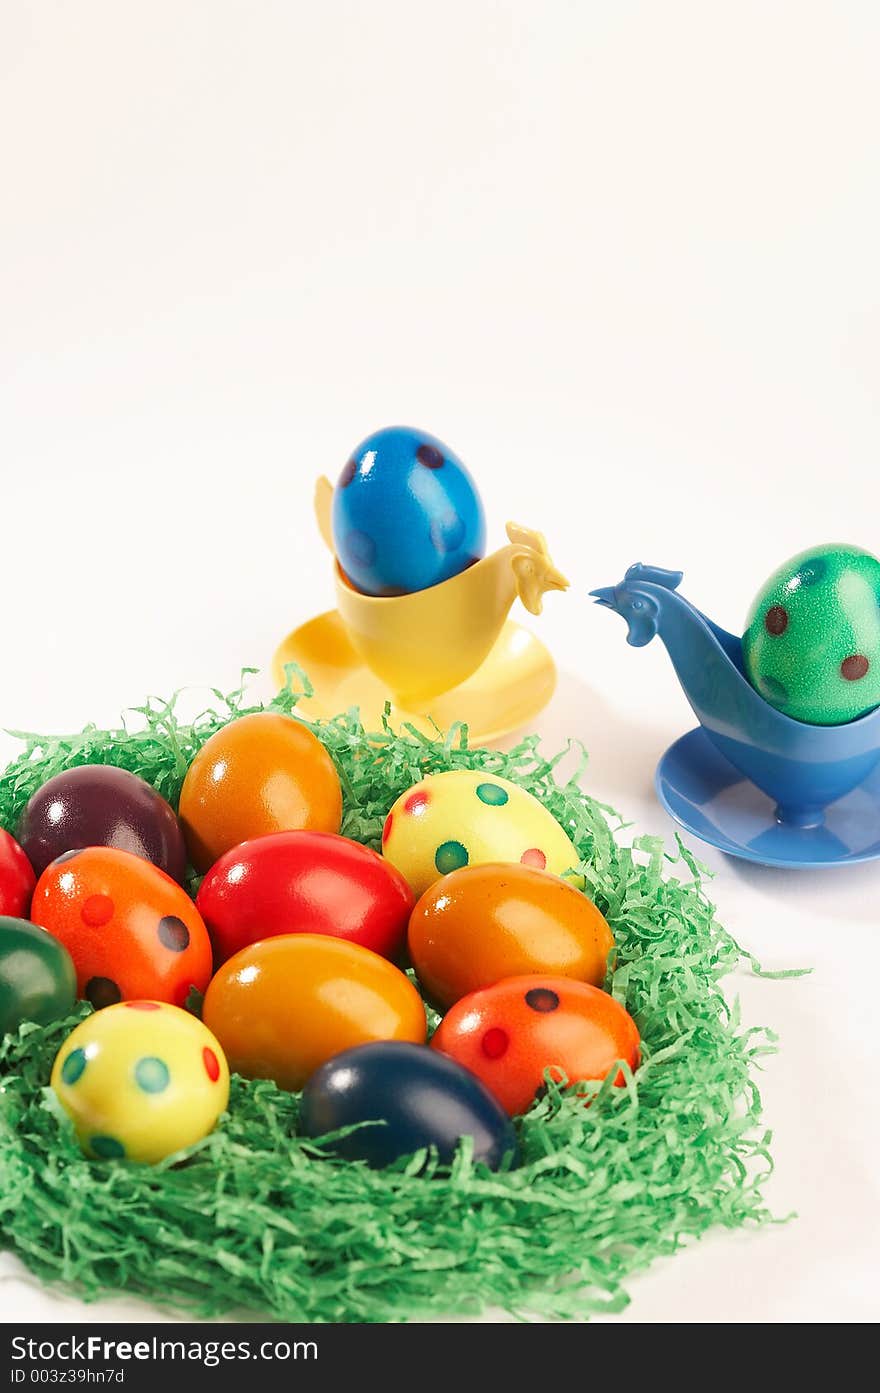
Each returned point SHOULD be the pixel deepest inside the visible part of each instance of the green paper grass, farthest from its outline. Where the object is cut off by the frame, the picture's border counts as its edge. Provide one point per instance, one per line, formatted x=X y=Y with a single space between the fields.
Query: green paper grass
x=255 y=1220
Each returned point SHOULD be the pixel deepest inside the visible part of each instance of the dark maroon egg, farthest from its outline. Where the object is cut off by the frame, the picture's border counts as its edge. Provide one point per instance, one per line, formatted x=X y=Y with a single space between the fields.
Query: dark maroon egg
x=97 y=805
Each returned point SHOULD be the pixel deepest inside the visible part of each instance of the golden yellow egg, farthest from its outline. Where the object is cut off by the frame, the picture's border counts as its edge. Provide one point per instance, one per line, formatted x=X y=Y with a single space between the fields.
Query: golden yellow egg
x=467 y=817
x=141 y=1080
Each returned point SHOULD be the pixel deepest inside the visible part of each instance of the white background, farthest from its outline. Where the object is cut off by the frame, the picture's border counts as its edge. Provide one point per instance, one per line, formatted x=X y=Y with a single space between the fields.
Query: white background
x=623 y=257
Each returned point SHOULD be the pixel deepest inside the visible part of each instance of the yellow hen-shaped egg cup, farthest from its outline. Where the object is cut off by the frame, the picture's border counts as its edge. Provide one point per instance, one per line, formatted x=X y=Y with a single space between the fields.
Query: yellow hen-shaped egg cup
x=445 y=654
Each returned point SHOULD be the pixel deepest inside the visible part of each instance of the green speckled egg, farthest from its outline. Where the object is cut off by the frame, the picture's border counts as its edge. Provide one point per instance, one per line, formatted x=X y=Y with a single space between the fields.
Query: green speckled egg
x=812 y=641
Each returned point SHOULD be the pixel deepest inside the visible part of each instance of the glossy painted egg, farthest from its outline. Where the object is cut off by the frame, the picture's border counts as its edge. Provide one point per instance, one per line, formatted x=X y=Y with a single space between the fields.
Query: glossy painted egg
x=98 y=805
x=140 y=1081
x=130 y=929
x=510 y=1033
x=37 y=977
x=419 y=1098
x=284 y=1006
x=485 y=922
x=466 y=817
x=304 y=882
x=17 y=879
x=812 y=640
x=260 y=774
x=406 y=514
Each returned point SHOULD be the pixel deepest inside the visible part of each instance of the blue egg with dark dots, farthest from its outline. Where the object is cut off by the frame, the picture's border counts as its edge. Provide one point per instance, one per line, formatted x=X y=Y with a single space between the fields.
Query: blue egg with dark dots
x=413 y=1097
x=406 y=514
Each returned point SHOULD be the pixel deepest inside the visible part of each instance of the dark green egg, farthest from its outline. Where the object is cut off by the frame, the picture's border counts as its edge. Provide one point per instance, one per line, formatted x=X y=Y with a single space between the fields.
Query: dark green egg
x=812 y=642
x=37 y=977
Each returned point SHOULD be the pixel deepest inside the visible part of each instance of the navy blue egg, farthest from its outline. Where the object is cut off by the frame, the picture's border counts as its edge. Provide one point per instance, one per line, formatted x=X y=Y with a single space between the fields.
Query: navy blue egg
x=406 y=514
x=423 y=1099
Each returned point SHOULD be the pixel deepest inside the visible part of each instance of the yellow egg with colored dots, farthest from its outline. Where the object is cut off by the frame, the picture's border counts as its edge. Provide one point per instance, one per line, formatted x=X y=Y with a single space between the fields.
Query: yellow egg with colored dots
x=466 y=817
x=141 y=1080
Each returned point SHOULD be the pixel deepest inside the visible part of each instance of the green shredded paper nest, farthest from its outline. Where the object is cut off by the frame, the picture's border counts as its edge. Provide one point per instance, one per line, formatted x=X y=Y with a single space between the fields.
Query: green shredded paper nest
x=254 y=1220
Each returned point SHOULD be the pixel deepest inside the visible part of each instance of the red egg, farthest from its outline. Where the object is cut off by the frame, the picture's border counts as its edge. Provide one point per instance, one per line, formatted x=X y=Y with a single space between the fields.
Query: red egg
x=510 y=1033
x=132 y=932
x=17 y=879
x=304 y=882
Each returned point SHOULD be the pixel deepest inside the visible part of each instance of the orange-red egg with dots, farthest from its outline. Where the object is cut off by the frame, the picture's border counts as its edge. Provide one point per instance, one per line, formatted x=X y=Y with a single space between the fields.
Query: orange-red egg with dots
x=510 y=1033
x=131 y=931
x=261 y=773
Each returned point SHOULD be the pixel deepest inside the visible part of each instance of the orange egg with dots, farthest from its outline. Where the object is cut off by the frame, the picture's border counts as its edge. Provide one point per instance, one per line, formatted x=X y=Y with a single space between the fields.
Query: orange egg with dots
x=485 y=922
x=130 y=929
x=510 y=1033
x=261 y=773
x=284 y=1006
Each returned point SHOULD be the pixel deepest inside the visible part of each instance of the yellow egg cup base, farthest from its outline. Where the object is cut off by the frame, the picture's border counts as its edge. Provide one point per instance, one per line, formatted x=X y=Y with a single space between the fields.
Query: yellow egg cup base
x=505 y=693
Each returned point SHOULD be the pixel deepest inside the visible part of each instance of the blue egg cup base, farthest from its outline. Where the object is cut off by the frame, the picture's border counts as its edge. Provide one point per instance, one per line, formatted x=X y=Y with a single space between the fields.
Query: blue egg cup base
x=710 y=798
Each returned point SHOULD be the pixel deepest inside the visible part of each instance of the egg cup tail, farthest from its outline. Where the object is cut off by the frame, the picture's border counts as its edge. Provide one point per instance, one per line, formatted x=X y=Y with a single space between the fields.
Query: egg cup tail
x=324 y=509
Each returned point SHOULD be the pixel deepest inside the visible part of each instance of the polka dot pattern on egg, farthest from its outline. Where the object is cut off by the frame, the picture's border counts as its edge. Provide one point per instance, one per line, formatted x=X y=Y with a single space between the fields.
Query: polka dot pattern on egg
x=776 y=620
x=429 y=456
x=102 y=991
x=493 y=794
x=97 y=911
x=542 y=999
x=773 y=690
x=811 y=647
x=74 y=1066
x=152 y=1075
x=108 y=1148
x=173 y=933
x=534 y=856
x=405 y=514
x=811 y=573
x=855 y=667
x=141 y=1080
x=495 y=1042
x=451 y=856
x=468 y=818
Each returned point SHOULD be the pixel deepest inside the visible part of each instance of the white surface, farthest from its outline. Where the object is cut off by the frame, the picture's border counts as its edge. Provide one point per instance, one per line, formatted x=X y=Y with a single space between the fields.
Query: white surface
x=622 y=257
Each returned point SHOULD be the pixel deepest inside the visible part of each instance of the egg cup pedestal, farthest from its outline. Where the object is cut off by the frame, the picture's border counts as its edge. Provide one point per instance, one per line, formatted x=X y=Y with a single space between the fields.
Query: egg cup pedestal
x=513 y=684
x=751 y=780
x=441 y=655
x=710 y=798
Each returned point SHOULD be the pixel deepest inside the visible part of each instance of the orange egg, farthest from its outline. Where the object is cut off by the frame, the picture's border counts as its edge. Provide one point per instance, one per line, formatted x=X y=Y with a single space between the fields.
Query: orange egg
x=130 y=929
x=481 y=923
x=283 y=1006
x=262 y=773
